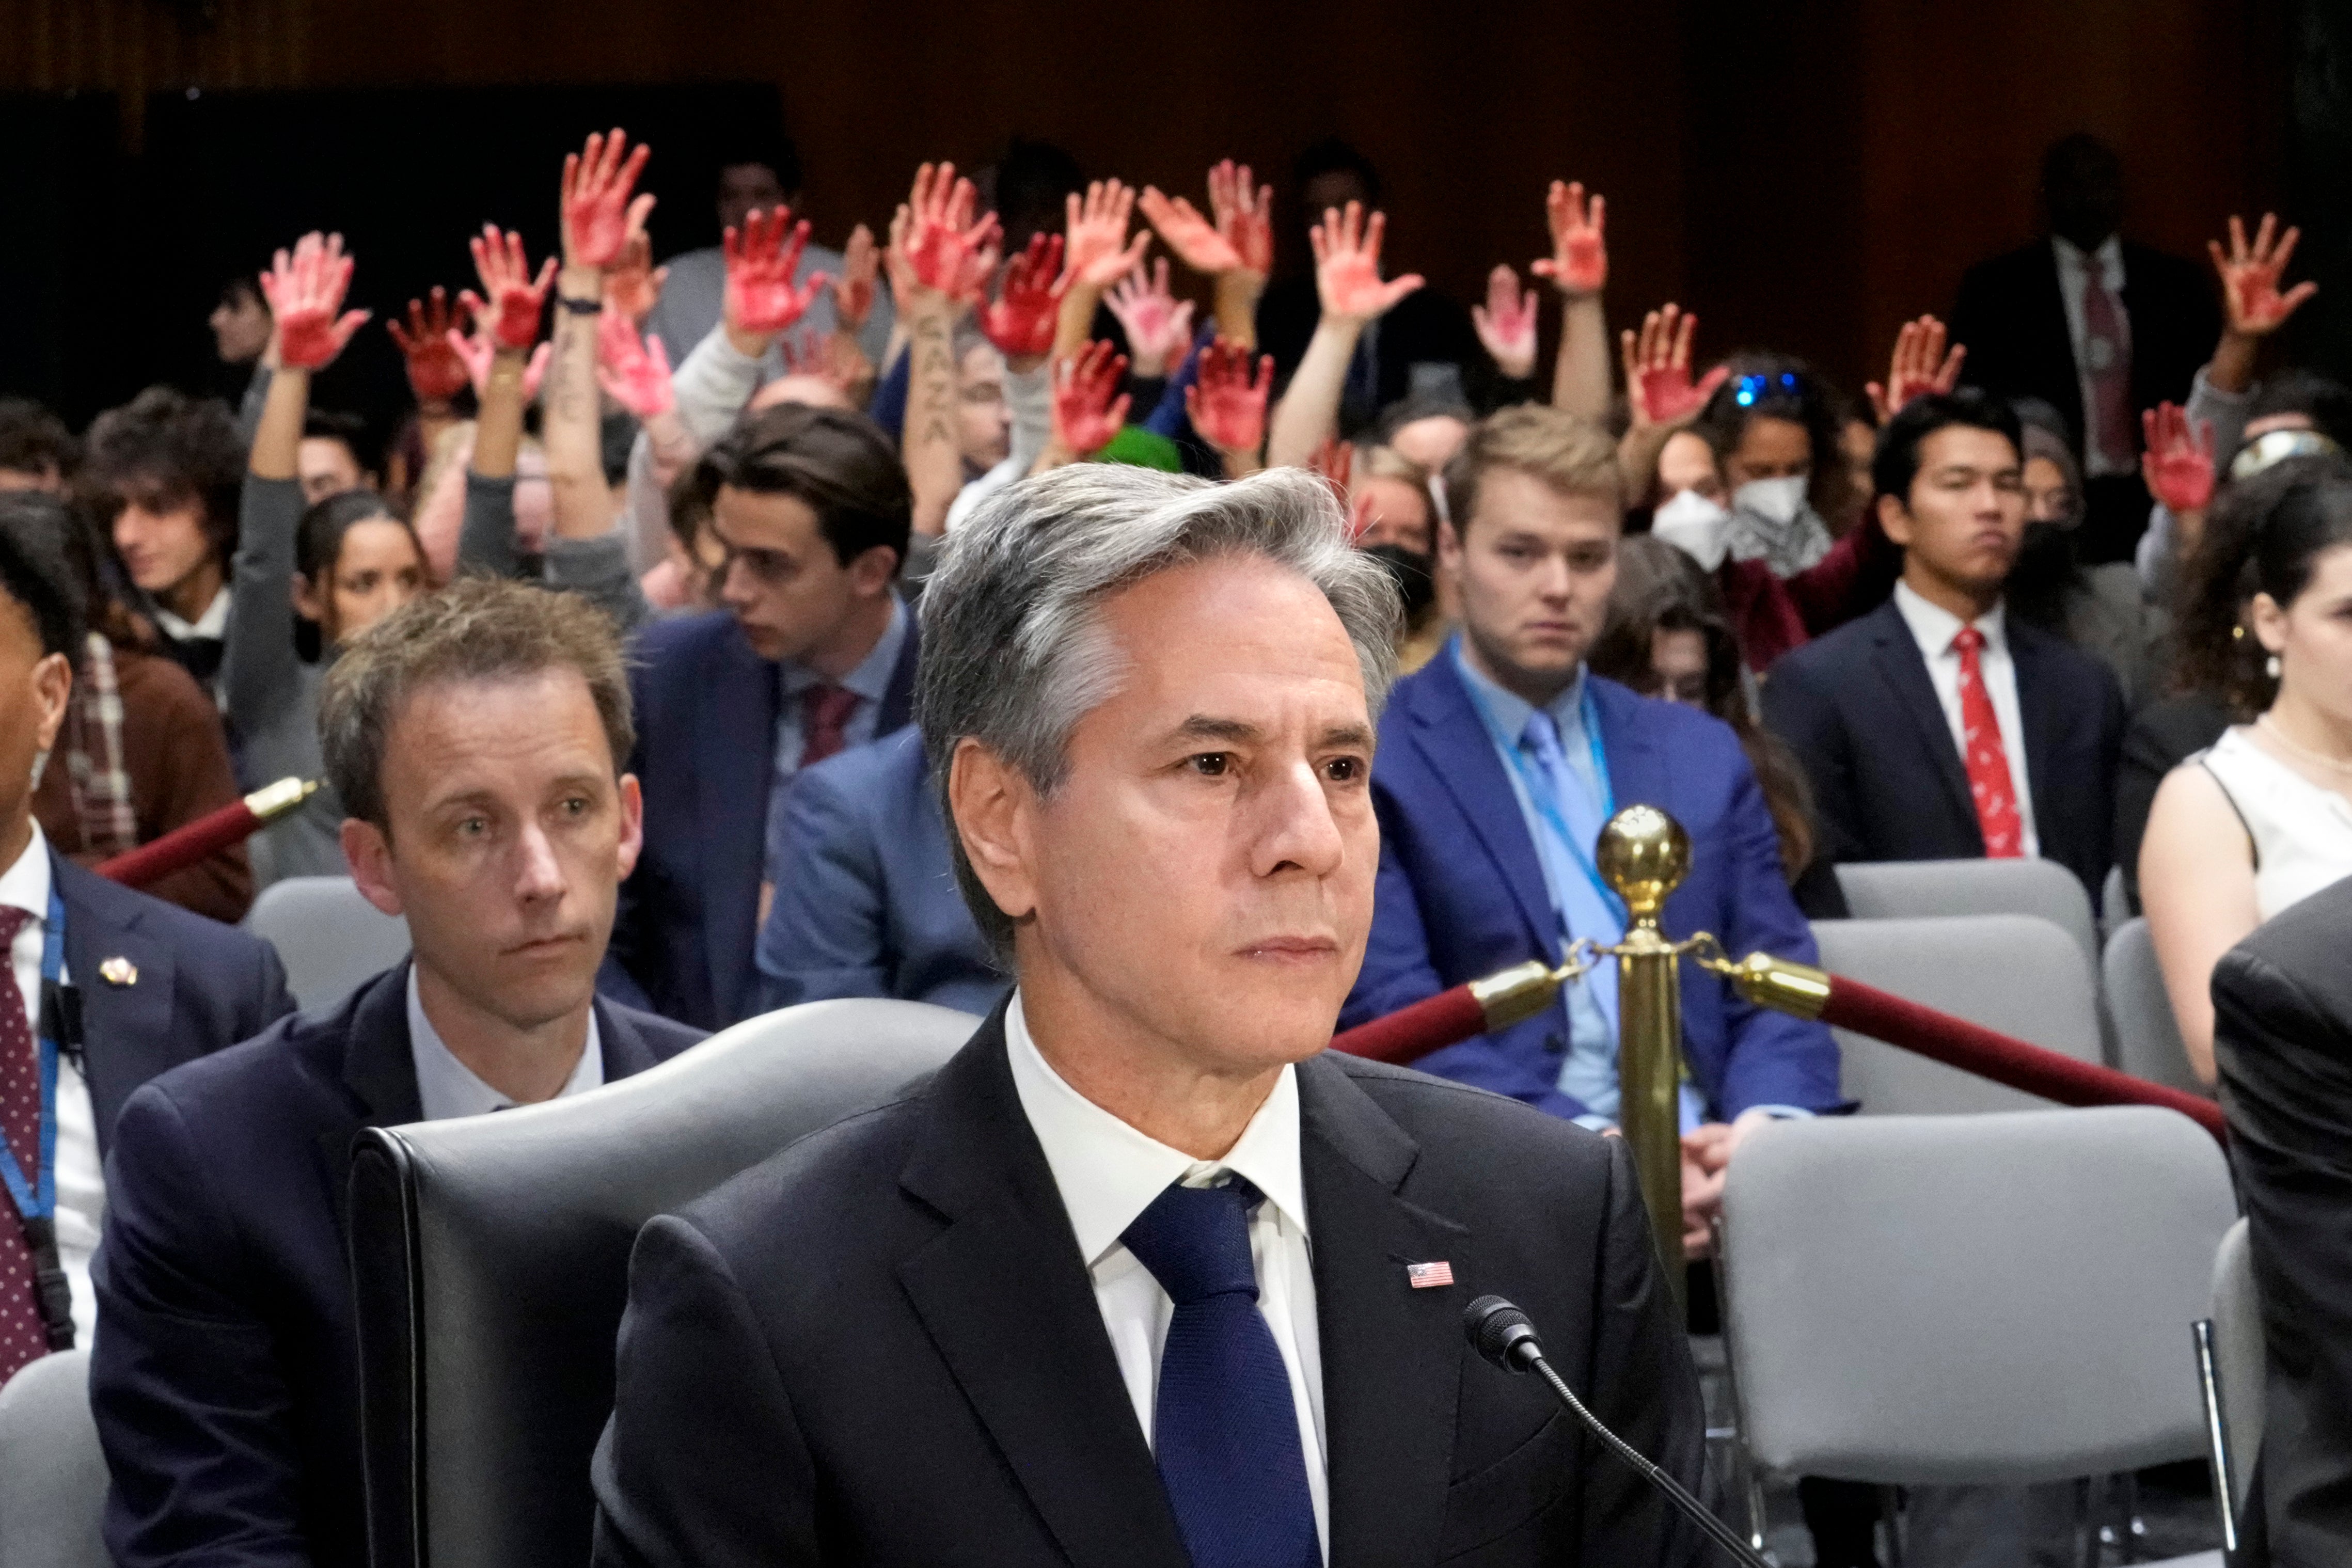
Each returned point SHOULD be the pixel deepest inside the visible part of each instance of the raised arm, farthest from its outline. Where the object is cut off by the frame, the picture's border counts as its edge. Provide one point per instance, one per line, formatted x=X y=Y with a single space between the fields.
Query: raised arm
x=1921 y=365
x=1159 y=326
x=602 y=217
x=1085 y=414
x=1097 y=254
x=1227 y=408
x=941 y=254
x=1659 y=392
x=1579 y=267
x=436 y=372
x=305 y=290
x=1234 y=245
x=1507 y=324
x=1348 y=282
x=2253 y=306
x=853 y=307
x=507 y=368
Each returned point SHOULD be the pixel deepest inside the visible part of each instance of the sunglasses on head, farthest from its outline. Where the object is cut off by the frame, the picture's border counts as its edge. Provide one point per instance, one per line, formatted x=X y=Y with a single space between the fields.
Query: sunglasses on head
x=2277 y=446
x=1746 y=390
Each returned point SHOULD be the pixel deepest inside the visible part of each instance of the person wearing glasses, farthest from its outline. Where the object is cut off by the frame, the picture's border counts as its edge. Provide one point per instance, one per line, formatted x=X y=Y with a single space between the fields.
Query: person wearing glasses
x=812 y=652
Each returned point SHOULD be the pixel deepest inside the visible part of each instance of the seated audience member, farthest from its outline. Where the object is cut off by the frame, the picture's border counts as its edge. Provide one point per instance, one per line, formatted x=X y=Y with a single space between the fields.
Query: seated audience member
x=477 y=736
x=1688 y=512
x=37 y=451
x=693 y=297
x=2094 y=325
x=1500 y=761
x=329 y=457
x=1388 y=500
x=1937 y=727
x=865 y=905
x=2102 y=609
x=162 y=472
x=2295 y=413
x=814 y=652
x=156 y=986
x=341 y=562
x=1775 y=437
x=2221 y=395
x=141 y=750
x=1666 y=636
x=1154 y=699
x=2262 y=819
x=1426 y=431
x=2282 y=1041
x=241 y=331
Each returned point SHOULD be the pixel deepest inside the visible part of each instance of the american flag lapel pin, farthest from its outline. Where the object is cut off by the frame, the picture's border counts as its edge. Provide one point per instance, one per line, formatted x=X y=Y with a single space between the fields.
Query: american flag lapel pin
x=1429 y=1276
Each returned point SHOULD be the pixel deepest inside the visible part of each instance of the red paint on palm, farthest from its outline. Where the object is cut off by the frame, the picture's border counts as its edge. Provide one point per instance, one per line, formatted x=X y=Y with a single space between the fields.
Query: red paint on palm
x=306 y=291
x=1022 y=319
x=600 y=217
x=1226 y=406
x=762 y=262
x=1085 y=415
x=2178 y=463
x=436 y=371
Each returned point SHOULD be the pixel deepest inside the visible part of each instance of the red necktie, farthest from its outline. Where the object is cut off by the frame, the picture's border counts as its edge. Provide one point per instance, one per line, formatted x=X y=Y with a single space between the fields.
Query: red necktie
x=824 y=721
x=2107 y=345
x=23 y=1337
x=1990 y=784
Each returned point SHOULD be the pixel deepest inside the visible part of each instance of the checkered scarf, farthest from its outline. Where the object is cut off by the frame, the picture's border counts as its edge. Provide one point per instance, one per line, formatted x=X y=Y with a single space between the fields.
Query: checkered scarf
x=101 y=786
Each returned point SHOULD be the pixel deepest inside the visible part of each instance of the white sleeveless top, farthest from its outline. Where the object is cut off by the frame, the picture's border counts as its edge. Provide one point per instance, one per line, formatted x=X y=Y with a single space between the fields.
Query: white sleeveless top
x=2302 y=832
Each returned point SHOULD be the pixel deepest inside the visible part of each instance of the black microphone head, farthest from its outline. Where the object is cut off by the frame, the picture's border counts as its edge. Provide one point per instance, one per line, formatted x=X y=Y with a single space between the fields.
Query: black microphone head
x=1501 y=1332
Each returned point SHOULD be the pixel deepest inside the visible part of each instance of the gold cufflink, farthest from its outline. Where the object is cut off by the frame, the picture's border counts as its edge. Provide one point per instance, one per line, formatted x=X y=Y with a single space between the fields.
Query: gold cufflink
x=118 y=972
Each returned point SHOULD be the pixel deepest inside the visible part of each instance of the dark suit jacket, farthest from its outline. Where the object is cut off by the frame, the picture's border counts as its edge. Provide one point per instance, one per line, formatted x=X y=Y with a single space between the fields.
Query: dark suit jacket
x=1461 y=893
x=201 y=987
x=226 y=1373
x=2283 y=1038
x=866 y=903
x=706 y=756
x=2012 y=318
x=881 y=1347
x=1861 y=713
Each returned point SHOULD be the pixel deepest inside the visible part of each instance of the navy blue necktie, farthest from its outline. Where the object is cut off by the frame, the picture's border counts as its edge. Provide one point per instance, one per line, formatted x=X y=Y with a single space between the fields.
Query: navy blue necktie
x=1224 y=1428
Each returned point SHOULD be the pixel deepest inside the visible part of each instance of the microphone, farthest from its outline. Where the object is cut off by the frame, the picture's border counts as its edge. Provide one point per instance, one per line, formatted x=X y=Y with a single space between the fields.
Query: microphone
x=1502 y=1334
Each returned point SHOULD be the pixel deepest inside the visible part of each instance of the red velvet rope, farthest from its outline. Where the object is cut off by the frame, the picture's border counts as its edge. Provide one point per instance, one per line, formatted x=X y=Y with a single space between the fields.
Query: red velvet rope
x=1956 y=1043
x=1411 y=1033
x=183 y=846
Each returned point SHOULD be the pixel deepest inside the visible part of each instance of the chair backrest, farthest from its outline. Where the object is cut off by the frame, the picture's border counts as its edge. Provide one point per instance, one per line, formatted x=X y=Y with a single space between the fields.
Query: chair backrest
x=2115 y=902
x=491 y=1255
x=1962 y=1301
x=328 y=937
x=2014 y=972
x=2148 y=1037
x=1903 y=890
x=2240 y=1360
x=52 y=1472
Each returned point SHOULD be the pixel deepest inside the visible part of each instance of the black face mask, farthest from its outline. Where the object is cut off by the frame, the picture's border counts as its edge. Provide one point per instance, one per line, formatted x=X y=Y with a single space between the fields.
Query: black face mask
x=1415 y=577
x=2045 y=568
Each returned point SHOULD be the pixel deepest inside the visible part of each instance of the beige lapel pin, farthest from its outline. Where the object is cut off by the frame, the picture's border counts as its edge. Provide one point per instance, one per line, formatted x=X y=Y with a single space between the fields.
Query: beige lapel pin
x=118 y=971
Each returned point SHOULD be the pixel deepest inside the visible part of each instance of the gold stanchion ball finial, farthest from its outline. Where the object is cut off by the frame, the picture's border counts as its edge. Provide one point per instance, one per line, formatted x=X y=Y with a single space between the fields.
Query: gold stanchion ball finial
x=1643 y=854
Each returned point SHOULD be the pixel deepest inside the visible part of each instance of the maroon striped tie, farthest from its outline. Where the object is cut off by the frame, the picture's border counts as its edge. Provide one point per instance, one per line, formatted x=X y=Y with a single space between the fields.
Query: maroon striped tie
x=23 y=1337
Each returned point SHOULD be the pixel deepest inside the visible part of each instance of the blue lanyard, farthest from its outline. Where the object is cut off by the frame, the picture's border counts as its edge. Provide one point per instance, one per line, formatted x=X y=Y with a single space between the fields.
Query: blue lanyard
x=39 y=1200
x=1539 y=791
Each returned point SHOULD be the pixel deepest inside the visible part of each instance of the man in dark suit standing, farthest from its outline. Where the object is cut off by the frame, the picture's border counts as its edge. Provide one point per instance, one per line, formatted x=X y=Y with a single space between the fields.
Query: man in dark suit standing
x=2282 y=1038
x=1935 y=727
x=105 y=987
x=476 y=736
x=1059 y=1305
x=815 y=652
x=2096 y=326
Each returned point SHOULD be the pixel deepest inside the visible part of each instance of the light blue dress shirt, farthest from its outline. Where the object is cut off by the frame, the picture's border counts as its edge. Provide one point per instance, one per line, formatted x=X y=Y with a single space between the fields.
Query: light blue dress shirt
x=869 y=682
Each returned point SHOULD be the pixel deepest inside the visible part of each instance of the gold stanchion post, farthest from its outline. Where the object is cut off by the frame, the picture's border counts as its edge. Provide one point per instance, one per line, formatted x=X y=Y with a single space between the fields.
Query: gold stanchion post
x=1643 y=854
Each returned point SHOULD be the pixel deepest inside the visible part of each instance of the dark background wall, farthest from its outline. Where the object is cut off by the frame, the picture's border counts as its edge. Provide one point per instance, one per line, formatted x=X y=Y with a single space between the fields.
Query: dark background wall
x=1805 y=175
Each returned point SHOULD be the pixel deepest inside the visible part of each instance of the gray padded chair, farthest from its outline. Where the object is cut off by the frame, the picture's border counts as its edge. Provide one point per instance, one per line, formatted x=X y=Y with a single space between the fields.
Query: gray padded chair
x=2014 y=972
x=2115 y=902
x=2147 y=1039
x=2239 y=1360
x=328 y=937
x=1904 y=890
x=490 y=1256
x=1971 y=1300
x=52 y=1473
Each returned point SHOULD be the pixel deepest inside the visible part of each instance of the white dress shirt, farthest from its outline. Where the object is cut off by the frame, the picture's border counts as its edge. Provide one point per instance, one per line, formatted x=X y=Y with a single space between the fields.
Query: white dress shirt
x=1109 y=1174
x=2073 y=278
x=446 y=1087
x=80 y=1177
x=1933 y=628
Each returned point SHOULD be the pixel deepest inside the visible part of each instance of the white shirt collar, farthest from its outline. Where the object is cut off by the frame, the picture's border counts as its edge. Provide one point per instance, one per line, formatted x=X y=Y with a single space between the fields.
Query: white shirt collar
x=2076 y=260
x=870 y=681
x=446 y=1087
x=1933 y=627
x=1108 y=1173
x=212 y=622
x=26 y=884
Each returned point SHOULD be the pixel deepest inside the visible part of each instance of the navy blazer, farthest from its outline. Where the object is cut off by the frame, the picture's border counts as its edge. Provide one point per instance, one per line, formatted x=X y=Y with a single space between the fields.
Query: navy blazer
x=881 y=1347
x=1858 y=709
x=706 y=758
x=867 y=903
x=1461 y=893
x=199 y=986
x=225 y=1378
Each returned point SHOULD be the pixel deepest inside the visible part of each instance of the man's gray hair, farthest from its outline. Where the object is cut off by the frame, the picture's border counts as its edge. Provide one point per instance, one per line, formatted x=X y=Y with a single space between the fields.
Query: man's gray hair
x=1015 y=652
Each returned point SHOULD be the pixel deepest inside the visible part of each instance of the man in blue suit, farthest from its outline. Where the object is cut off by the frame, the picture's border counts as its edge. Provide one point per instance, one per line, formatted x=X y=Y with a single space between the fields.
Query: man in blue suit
x=135 y=985
x=814 y=653
x=476 y=736
x=867 y=903
x=1498 y=762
